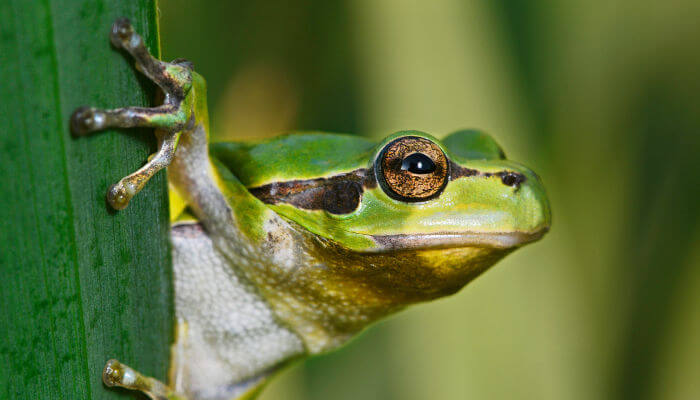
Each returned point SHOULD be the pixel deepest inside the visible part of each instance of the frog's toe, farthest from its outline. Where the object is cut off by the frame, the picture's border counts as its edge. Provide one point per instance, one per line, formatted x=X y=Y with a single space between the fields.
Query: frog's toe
x=175 y=79
x=122 y=33
x=118 y=374
x=85 y=120
x=119 y=194
x=113 y=373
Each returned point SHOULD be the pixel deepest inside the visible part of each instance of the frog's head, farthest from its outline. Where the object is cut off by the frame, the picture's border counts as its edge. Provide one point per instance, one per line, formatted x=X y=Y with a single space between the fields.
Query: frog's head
x=387 y=225
x=414 y=192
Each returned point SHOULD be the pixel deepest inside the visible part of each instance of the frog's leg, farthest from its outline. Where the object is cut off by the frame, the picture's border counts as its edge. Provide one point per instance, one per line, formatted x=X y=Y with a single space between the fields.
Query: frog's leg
x=175 y=79
x=118 y=374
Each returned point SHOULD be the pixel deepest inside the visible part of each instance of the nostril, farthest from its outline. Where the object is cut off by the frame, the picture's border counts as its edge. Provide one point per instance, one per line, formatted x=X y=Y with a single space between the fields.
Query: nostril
x=512 y=179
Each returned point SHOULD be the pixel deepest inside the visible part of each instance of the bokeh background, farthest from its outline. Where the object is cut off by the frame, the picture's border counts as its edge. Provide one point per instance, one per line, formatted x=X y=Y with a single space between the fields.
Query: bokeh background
x=601 y=98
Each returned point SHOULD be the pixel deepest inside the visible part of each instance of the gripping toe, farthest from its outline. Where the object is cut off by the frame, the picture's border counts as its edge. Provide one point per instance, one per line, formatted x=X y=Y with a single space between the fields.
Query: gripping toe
x=121 y=33
x=85 y=120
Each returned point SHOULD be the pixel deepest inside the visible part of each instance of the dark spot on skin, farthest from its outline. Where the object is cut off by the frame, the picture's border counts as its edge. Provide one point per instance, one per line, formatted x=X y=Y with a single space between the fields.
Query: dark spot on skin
x=339 y=194
x=342 y=197
x=511 y=178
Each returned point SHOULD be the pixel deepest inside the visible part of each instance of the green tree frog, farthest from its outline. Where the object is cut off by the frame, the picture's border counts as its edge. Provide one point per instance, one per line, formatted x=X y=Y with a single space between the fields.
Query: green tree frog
x=295 y=244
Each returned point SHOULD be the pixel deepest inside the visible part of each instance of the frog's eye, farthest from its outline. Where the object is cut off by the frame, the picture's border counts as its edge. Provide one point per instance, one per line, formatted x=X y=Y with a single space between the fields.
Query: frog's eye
x=412 y=168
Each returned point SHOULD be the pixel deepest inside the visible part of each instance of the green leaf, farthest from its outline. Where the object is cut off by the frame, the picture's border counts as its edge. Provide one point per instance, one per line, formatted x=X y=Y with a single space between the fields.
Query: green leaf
x=79 y=283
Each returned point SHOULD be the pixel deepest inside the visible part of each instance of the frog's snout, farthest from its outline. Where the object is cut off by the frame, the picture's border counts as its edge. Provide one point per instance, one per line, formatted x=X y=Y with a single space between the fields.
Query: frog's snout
x=537 y=215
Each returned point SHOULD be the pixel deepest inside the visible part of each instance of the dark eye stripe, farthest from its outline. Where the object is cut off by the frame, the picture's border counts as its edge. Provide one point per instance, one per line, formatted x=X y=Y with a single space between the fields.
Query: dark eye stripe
x=339 y=194
x=342 y=197
x=509 y=178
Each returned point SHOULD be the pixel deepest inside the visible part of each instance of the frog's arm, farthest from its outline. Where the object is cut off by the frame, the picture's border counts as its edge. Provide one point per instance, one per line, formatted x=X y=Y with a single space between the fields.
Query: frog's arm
x=226 y=345
x=175 y=80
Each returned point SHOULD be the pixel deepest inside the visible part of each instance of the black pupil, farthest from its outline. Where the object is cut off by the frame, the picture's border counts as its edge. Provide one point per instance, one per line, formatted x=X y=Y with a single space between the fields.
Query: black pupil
x=418 y=163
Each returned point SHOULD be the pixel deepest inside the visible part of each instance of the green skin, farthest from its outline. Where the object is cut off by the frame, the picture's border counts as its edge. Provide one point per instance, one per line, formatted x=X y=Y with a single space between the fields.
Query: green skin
x=378 y=252
x=475 y=205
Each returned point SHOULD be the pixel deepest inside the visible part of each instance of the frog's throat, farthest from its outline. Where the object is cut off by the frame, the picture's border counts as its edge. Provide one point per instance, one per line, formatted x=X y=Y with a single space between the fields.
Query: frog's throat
x=336 y=292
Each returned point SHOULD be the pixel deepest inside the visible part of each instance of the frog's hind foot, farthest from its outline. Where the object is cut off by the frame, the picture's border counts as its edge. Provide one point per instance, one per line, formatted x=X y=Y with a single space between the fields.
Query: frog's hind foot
x=170 y=119
x=118 y=374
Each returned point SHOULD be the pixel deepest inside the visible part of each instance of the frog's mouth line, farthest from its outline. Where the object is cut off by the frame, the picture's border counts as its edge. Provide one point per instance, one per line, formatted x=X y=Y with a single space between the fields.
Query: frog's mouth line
x=499 y=240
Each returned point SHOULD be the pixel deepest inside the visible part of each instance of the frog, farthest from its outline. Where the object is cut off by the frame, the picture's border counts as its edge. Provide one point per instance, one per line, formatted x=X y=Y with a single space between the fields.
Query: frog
x=288 y=247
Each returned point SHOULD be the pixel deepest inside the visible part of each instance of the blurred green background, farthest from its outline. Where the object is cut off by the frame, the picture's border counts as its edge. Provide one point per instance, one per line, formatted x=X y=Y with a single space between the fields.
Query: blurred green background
x=601 y=98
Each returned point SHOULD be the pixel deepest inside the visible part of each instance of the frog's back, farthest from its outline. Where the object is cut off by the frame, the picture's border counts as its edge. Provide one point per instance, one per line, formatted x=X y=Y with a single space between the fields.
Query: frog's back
x=293 y=157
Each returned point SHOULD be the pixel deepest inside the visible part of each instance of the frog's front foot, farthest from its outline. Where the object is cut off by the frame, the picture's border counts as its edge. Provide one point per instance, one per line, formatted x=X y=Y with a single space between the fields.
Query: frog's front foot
x=175 y=80
x=118 y=374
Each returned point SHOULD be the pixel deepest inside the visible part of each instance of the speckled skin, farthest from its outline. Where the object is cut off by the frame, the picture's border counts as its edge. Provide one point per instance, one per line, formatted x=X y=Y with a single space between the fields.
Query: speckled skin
x=229 y=334
x=258 y=284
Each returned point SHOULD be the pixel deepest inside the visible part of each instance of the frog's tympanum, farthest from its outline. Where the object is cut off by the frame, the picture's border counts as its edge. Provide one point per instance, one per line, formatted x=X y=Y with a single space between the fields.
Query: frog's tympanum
x=290 y=246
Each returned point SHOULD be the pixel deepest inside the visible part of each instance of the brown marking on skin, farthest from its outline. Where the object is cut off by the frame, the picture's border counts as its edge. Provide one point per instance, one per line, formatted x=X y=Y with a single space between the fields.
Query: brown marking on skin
x=339 y=194
x=370 y=181
x=509 y=178
x=342 y=197
x=457 y=171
